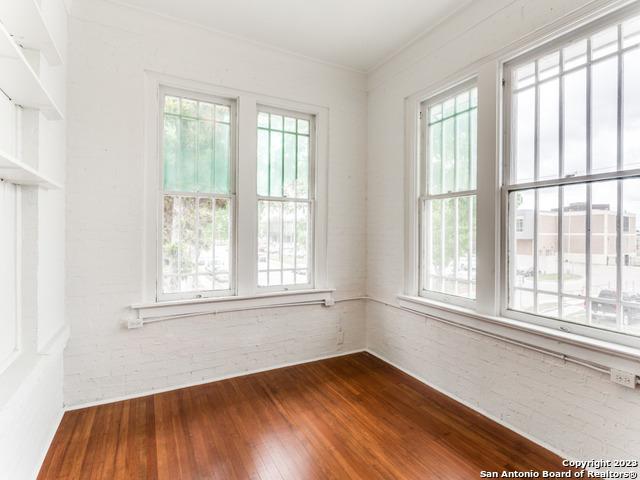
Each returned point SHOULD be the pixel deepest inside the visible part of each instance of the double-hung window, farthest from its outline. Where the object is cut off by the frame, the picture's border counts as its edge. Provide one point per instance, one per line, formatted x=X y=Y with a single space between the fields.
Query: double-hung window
x=572 y=179
x=234 y=193
x=448 y=194
x=285 y=190
x=197 y=196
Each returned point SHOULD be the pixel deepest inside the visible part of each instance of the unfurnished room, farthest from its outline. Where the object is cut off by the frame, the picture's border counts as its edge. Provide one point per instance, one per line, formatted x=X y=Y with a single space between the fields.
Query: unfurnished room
x=340 y=239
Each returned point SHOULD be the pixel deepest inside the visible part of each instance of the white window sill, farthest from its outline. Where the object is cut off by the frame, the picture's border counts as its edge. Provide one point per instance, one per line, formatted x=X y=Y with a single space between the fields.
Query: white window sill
x=597 y=352
x=155 y=311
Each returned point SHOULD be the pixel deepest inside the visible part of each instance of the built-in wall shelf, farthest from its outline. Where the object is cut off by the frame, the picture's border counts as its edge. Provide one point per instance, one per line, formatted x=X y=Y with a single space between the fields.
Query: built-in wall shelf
x=18 y=80
x=14 y=171
x=23 y=20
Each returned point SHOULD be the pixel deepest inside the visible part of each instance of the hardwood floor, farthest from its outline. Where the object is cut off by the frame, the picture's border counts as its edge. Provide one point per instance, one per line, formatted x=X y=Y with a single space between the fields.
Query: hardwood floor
x=348 y=417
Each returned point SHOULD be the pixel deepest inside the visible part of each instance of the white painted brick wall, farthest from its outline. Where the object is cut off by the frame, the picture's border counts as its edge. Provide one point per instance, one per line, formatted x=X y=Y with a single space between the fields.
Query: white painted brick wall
x=570 y=408
x=168 y=354
x=110 y=48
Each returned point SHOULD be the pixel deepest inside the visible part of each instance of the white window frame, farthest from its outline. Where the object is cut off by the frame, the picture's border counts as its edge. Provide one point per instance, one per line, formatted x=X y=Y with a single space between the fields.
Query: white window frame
x=425 y=196
x=311 y=201
x=245 y=287
x=488 y=316
x=231 y=196
x=620 y=338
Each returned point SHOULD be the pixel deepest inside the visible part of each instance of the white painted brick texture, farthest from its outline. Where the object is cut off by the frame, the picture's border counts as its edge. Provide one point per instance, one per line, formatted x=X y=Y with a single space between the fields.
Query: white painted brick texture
x=110 y=49
x=568 y=407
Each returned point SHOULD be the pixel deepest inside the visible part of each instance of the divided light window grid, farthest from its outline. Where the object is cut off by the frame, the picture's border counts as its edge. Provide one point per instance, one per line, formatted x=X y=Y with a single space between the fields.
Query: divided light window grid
x=448 y=194
x=573 y=180
x=198 y=200
x=285 y=198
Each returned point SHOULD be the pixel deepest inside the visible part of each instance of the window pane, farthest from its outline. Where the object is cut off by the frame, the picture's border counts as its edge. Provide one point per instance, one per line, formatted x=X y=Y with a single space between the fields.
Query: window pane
x=525 y=76
x=547 y=240
x=631 y=109
x=275 y=164
x=263 y=243
x=302 y=170
x=524 y=135
x=283 y=243
x=604 y=208
x=222 y=244
x=522 y=300
x=604 y=43
x=575 y=123
x=547 y=305
x=289 y=165
x=522 y=206
x=302 y=244
x=549 y=66
x=574 y=240
x=631 y=32
x=263 y=162
x=195 y=244
x=448 y=154
x=223 y=154
x=575 y=54
x=451 y=246
x=205 y=222
x=196 y=146
x=435 y=158
x=171 y=151
x=205 y=156
x=630 y=254
x=549 y=130
x=451 y=145
x=462 y=152
x=604 y=115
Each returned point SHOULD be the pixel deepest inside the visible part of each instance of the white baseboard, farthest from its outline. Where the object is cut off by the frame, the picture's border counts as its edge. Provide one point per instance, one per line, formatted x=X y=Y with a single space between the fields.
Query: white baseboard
x=69 y=408
x=475 y=408
x=47 y=445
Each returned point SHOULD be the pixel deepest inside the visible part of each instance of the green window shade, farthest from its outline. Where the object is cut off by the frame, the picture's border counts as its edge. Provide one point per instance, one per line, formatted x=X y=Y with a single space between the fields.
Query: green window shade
x=263 y=162
x=283 y=156
x=196 y=146
x=205 y=156
x=275 y=167
x=222 y=157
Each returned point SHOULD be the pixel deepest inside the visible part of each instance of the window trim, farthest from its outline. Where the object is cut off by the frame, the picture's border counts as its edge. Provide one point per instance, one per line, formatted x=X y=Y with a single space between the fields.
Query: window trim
x=423 y=190
x=245 y=184
x=507 y=66
x=312 y=200
x=165 y=90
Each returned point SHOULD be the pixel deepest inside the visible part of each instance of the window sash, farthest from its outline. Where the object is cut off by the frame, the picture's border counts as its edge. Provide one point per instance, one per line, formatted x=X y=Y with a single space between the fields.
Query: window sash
x=230 y=196
x=309 y=200
x=619 y=174
x=424 y=220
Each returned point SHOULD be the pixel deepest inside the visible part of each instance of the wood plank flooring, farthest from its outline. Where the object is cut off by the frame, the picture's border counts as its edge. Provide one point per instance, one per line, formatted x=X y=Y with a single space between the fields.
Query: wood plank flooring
x=350 y=417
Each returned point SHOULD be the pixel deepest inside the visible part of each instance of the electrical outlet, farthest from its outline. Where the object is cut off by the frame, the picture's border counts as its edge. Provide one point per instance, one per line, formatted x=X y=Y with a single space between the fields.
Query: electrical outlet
x=623 y=378
x=340 y=337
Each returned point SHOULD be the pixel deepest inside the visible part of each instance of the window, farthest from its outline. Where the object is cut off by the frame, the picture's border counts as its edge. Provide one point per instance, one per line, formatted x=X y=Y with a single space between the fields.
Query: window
x=285 y=193
x=572 y=177
x=448 y=194
x=197 y=196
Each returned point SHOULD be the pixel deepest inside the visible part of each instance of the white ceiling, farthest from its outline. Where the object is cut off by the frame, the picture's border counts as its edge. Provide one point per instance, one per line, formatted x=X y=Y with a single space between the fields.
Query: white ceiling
x=359 y=34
